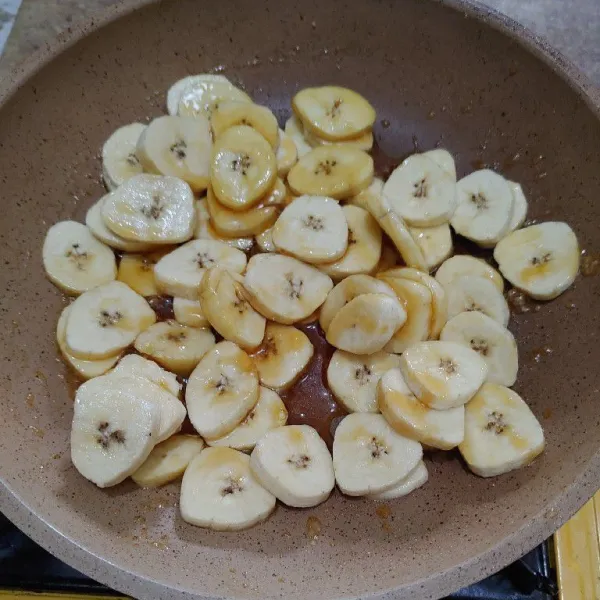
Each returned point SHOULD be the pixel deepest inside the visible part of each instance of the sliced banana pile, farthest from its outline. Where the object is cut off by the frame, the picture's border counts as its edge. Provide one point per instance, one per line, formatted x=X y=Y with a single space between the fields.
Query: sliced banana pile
x=222 y=236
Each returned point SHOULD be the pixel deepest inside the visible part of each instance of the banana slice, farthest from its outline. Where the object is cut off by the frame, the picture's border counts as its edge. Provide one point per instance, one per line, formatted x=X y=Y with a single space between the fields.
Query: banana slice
x=168 y=460
x=501 y=432
x=189 y=312
x=435 y=243
x=264 y=241
x=389 y=257
x=364 y=245
x=474 y=293
x=417 y=301
x=85 y=368
x=120 y=160
x=295 y=130
x=220 y=492
x=395 y=227
x=443 y=429
x=233 y=114
x=366 y=324
x=485 y=207
x=243 y=168
x=353 y=378
x=75 y=260
x=415 y=479
x=95 y=223
x=137 y=271
x=134 y=365
x=443 y=375
x=369 y=195
x=333 y=113
x=463 y=264
x=227 y=310
x=283 y=356
x=439 y=305
x=180 y=272
x=286 y=155
x=313 y=229
x=205 y=231
x=443 y=159
x=151 y=208
x=115 y=422
x=178 y=146
x=542 y=260
x=176 y=347
x=495 y=344
x=221 y=391
x=175 y=91
x=369 y=456
x=421 y=192
x=335 y=170
x=231 y=223
x=520 y=207
x=362 y=142
x=203 y=97
x=348 y=289
x=284 y=289
x=105 y=320
x=294 y=464
x=269 y=413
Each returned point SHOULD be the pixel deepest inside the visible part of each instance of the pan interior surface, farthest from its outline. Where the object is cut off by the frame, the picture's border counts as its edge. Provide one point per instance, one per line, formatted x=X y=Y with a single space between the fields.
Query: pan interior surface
x=436 y=78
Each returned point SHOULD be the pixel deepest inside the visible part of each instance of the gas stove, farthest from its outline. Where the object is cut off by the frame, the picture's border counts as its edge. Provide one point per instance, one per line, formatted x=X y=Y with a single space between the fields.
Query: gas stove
x=24 y=566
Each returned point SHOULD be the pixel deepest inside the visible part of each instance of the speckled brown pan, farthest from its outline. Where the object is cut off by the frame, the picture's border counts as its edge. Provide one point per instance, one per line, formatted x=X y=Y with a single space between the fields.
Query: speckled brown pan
x=467 y=79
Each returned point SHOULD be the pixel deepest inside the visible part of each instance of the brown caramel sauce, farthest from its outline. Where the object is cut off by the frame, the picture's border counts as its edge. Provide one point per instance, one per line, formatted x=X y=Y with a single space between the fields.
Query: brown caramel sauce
x=309 y=401
x=521 y=303
x=313 y=528
x=590 y=264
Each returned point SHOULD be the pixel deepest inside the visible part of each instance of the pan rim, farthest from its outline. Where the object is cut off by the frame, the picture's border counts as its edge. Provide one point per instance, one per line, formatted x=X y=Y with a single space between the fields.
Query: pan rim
x=549 y=518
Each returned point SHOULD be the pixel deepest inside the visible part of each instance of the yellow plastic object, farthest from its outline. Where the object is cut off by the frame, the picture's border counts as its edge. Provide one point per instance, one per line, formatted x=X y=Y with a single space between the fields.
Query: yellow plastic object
x=577 y=549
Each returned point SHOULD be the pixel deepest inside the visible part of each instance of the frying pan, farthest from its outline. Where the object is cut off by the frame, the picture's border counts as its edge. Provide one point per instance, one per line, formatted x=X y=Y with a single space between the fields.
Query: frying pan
x=439 y=73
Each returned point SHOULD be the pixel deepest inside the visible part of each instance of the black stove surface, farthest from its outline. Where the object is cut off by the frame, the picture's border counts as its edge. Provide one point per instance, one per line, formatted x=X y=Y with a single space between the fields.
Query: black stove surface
x=25 y=566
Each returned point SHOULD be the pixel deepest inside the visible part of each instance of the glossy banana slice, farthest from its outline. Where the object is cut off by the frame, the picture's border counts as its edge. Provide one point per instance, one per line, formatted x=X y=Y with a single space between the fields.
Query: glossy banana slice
x=444 y=159
x=495 y=344
x=283 y=355
x=365 y=241
x=189 y=312
x=75 y=261
x=168 y=460
x=542 y=260
x=295 y=130
x=485 y=207
x=286 y=155
x=333 y=113
x=269 y=413
x=520 y=207
x=415 y=479
x=362 y=142
x=294 y=464
x=243 y=167
x=463 y=264
x=232 y=223
x=180 y=272
x=443 y=375
x=347 y=290
x=221 y=391
x=442 y=429
x=203 y=97
x=421 y=192
x=120 y=160
x=205 y=230
x=225 y=306
x=176 y=347
x=313 y=229
x=151 y=208
x=220 y=492
x=353 y=378
x=335 y=170
x=178 y=146
x=284 y=289
x=435 y=243
x=501 y=432
x=137 y=271
x=105 y=320
x=175 y=91
x=366 y=323
x=134 y=365
x=369 y=456
x=233 y=114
